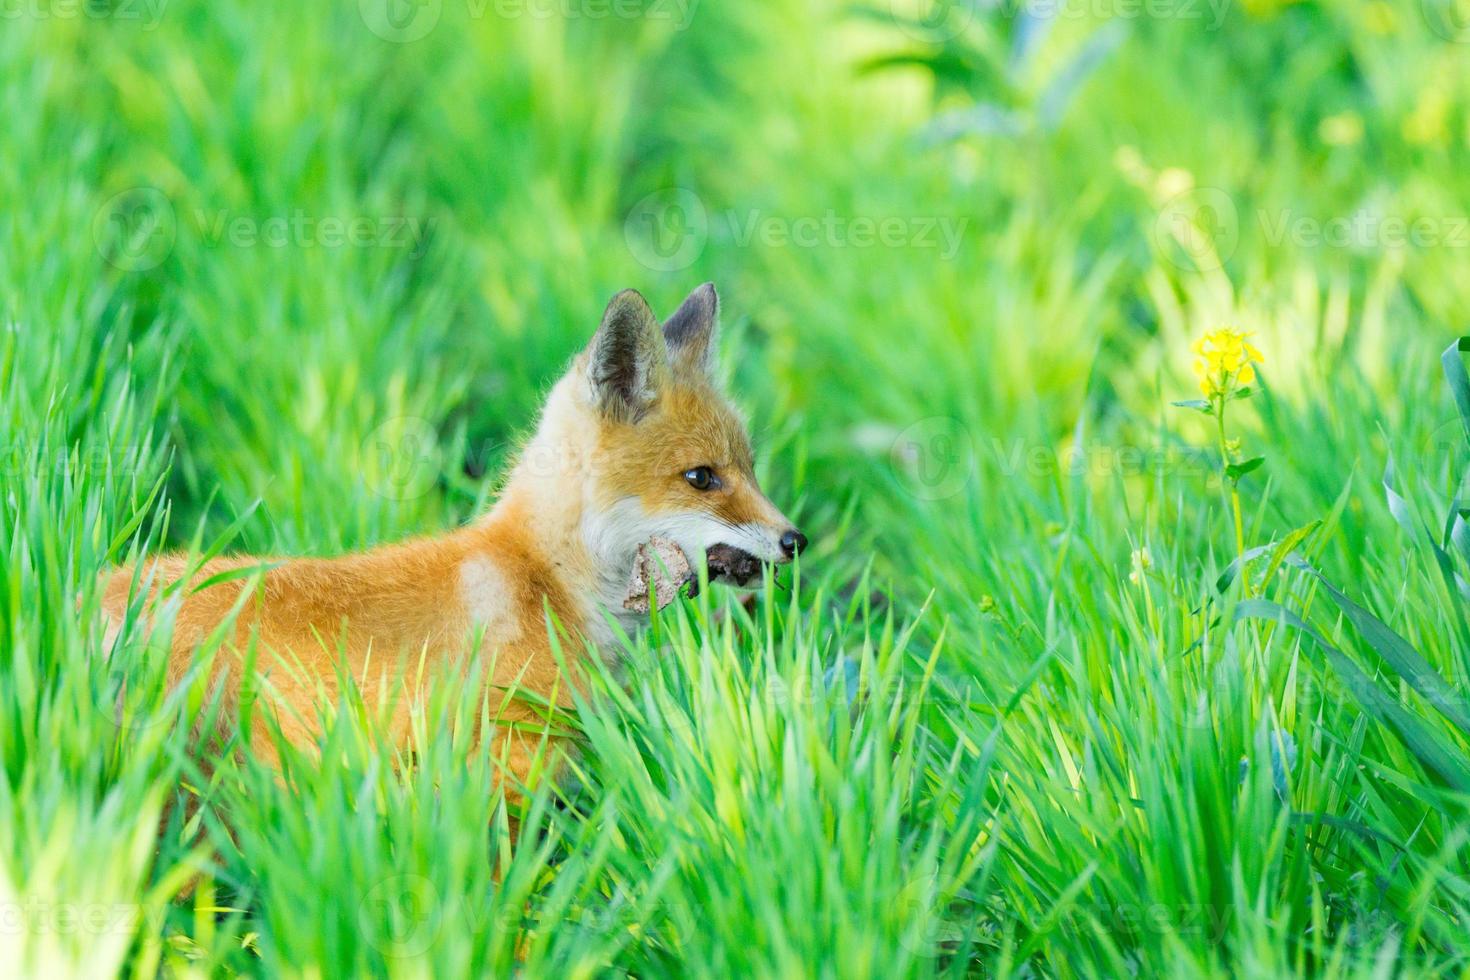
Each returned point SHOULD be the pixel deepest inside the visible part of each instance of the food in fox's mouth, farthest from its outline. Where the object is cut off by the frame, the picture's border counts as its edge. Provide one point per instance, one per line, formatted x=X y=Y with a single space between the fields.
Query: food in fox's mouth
x=730 y=562
x=662 y=563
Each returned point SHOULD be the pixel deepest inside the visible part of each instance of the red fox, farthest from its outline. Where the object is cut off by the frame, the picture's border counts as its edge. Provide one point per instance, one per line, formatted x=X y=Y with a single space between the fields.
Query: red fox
x=635 y=442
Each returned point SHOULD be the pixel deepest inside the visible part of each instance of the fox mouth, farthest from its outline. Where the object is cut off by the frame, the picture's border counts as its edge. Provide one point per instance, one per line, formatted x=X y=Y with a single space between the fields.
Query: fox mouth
x=732 y=565
x=661 y=570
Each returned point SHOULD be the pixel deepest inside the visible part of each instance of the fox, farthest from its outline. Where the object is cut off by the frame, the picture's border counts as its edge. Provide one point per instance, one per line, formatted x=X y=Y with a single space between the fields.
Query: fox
x=636 y=441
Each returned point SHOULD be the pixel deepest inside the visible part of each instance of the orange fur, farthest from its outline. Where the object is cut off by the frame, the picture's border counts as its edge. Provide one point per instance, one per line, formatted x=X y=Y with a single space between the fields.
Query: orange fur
x=540 y=548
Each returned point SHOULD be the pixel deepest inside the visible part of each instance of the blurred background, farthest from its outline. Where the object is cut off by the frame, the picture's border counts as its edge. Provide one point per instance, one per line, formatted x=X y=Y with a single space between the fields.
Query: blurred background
x=293 y=278
x=303 y=226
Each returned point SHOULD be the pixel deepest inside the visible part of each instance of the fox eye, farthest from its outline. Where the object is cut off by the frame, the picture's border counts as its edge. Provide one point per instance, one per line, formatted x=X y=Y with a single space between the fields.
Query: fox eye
x=701 y=478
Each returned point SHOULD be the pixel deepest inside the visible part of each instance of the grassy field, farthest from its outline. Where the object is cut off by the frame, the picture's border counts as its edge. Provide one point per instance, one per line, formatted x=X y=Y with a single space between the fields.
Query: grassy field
x=292 y=278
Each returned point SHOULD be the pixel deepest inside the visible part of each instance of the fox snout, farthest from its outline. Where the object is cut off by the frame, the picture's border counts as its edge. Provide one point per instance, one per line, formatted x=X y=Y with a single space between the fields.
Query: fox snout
x=792 y=542
x=731 y=564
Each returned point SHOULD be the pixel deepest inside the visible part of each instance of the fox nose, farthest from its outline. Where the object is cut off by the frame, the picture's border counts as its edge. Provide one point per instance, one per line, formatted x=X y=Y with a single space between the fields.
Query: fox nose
x=792 y=542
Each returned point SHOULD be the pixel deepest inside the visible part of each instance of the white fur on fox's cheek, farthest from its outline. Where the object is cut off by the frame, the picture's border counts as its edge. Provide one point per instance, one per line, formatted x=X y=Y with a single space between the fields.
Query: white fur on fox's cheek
x=615 y=534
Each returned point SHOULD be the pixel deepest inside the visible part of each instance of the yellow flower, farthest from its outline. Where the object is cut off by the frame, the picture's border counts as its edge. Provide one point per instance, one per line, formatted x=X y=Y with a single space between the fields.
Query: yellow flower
x=1225 y=361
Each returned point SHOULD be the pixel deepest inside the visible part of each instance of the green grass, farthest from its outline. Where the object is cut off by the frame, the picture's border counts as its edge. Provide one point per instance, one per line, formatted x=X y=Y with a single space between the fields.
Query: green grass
x=960 y=740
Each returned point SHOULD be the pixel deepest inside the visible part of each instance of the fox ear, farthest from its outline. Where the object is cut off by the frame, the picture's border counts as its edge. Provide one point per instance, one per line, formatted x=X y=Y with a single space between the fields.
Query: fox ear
x=626 y=357
x=690 y=332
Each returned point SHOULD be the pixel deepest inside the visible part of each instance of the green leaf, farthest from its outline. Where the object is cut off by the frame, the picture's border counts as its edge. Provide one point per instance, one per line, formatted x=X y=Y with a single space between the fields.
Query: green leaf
x=1237 y=470
x=1198 y=404
x=1459 y=380
x=1227 y=577
x=1407 y=662
x=1286 y=546
x=231 y=574
x=1434 y=749
x=1399 y=508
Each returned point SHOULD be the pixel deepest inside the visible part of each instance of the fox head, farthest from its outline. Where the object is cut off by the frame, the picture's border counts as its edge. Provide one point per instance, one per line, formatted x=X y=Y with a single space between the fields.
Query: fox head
x=649 y=446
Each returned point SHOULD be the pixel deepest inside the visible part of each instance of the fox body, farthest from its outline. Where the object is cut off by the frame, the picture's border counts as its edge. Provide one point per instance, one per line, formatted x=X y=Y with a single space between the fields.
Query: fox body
x=635 y=441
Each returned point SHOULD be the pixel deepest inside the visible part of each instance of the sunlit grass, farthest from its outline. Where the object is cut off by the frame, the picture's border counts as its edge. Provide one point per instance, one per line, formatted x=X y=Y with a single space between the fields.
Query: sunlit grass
x=973 y=735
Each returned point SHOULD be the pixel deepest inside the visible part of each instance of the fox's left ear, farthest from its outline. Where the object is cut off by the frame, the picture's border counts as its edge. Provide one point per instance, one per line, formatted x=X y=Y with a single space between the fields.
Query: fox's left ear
x=690 y=332
x=626 y=359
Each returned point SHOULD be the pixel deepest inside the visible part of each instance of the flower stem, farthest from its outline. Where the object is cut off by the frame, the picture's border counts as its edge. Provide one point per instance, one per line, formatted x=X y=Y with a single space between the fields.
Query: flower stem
x=1234 y=484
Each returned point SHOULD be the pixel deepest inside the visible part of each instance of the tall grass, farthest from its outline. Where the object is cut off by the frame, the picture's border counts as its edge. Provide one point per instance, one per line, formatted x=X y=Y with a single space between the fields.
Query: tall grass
x=275 y=278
